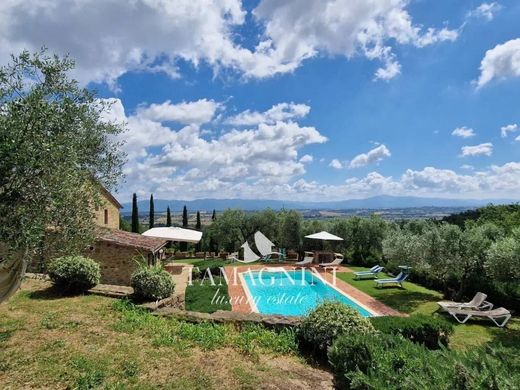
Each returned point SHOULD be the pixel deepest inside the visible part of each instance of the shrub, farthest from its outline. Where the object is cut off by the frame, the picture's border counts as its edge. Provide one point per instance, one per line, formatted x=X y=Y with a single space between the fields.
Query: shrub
x=152 y=283
x=329 y=320
x=74 y=273
x=419 y=328
x=383 y=361
x=358 y=352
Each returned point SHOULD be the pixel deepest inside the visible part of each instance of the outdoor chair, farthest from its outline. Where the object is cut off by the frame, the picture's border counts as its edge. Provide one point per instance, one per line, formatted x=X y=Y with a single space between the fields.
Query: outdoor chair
x=399 y=279
x=371 y=273
x=477 y=303
x=495 y=315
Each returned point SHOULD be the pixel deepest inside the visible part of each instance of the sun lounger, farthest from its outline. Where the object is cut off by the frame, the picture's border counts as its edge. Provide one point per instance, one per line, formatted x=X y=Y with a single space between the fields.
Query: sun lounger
x=462 y=315
x=477 y=303
x=307 y=260
x=371 y=273
x=338 y=259
x=399 y=279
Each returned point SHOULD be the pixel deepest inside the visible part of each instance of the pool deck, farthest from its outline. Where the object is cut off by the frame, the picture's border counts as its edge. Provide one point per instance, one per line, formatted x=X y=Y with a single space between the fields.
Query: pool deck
x=239 y=301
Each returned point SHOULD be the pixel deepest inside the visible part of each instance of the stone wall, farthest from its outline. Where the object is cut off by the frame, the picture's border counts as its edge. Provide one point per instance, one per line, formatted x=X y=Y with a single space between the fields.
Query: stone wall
x=112 y=214
x=117 y=262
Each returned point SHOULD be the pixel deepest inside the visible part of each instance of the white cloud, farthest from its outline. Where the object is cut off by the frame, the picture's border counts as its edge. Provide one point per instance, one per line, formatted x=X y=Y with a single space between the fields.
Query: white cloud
x=468 y=167
x=188 y=113
x=336 y=164
x=307 y=158
x=486 y=11
x=504 y=130
x=296 y=30
x=278 y=112
x=110 y=38
x=485 y=149
x=166 y=160
x=517 y=138
x=464 y=132
x=501 y=62
x=498 y=181
x=373 y=156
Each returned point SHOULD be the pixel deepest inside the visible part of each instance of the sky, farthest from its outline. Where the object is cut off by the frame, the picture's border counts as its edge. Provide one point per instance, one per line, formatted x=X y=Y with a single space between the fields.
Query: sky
x=297 y=99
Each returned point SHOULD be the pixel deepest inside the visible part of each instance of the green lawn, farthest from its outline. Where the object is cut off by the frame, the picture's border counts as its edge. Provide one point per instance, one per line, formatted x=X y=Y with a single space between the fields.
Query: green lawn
x=48 y=341
x=203 y=297
x=414 y=298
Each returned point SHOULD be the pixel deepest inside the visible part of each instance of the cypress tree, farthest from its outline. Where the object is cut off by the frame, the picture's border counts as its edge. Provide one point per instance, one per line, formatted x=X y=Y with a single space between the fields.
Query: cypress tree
x=184 y=217
x=168 y=217
x=198 y=225
x=135 y=214
x=214 y=216
x=152 y=213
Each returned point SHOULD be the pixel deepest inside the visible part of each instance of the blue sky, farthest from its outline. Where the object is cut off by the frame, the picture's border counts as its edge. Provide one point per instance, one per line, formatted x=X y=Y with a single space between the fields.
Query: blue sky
x=299 y=99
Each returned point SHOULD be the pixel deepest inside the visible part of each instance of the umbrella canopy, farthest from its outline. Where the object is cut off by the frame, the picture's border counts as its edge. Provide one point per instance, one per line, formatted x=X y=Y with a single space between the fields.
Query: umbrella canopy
x=324 y=236
x=174 y=234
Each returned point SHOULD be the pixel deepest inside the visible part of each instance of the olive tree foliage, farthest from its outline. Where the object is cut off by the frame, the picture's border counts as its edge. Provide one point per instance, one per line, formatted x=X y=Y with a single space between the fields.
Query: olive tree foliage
x=451 y=258
x=503 y=260
x=290 y=232
x=55 y=151
x=362 y=237
x=234 y=227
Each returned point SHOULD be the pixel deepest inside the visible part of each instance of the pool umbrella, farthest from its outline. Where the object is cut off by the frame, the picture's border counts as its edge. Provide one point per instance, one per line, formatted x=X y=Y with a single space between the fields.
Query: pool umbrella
x=175 y=234
x=324 y=236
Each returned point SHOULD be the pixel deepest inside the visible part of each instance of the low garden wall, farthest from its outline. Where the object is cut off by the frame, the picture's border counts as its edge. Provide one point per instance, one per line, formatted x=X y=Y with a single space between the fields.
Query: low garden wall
x=270 y=321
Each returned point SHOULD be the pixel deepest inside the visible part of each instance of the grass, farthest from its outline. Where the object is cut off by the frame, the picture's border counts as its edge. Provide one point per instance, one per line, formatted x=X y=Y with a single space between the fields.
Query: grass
x=207 y=298
x=52 y=342
x=414 y=298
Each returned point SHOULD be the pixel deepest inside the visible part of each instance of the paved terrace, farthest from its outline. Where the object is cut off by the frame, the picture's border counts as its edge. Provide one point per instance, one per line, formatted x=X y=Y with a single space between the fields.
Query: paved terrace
x=240 y=302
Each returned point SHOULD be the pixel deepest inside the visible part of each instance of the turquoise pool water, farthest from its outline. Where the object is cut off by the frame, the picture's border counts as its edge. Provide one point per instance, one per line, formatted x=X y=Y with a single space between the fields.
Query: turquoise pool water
x=292 y=293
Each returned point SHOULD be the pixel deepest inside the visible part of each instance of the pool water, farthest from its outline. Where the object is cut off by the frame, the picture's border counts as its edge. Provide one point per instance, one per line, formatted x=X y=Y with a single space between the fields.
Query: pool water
x=293 y=293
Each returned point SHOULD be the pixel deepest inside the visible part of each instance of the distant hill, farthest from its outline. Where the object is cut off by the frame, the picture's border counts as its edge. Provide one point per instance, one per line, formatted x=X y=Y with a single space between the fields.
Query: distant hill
x=376 y=202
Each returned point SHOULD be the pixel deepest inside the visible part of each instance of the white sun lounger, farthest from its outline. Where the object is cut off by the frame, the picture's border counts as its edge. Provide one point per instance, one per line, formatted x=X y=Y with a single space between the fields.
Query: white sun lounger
x=477 y=303
x=307 y=260
x=338 y=259
x=462 y=315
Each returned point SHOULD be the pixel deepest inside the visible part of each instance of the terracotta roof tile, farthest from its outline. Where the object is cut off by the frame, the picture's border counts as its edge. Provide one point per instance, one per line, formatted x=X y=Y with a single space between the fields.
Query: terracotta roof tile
x=134 y=240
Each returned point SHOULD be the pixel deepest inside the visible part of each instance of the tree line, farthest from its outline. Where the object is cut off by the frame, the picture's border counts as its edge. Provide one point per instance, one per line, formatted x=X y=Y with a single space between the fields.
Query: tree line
x=476 y=254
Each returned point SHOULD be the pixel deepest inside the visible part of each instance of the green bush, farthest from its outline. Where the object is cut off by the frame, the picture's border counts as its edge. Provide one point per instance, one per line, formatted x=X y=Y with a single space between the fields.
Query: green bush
x=74 y=273
x=329 y=320
x=354 y=353
x=430 y=331
x=382 y=361
x=152 y=283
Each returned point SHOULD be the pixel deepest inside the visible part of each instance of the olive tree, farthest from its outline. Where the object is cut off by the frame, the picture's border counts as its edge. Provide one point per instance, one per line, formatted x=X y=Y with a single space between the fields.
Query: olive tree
x=503 y=258
x=56 y=149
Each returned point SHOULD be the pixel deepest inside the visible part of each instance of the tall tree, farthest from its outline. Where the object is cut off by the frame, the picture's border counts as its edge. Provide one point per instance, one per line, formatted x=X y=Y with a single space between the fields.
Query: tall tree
x=56 y=149
x=214 y=216
x=184 y=217
x=135 y=214
x=168 y=217
x=151 y=213
x=198 y=225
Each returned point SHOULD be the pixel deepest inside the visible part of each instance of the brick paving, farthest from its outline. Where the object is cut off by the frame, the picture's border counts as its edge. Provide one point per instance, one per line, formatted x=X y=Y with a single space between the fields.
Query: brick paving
x=240 y=303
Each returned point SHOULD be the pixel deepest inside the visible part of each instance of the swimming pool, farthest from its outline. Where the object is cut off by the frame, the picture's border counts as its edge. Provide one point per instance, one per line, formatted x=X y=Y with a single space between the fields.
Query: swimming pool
x=292 y=292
